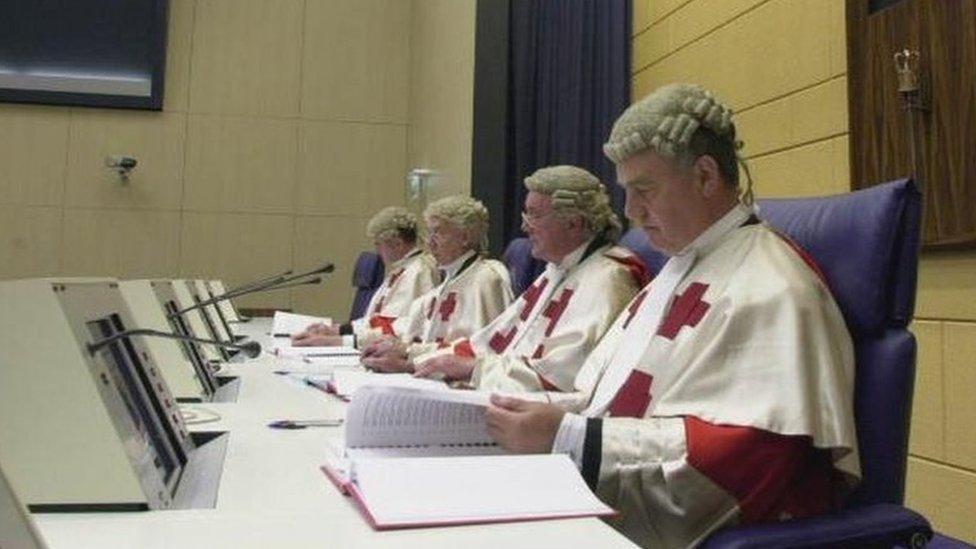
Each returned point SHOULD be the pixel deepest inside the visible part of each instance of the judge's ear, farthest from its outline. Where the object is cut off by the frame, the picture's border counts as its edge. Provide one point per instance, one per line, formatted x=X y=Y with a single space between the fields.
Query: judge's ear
x=708 y=178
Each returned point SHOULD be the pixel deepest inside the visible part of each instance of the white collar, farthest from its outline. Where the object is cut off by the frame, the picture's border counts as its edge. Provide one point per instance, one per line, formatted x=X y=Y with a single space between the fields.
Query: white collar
x=732 y=219
x=400 y=262
x=571 y=259
x=453 y=267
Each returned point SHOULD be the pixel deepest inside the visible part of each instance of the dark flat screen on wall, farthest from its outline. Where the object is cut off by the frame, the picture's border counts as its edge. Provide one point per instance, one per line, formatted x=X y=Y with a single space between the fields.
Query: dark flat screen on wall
x=102 y=53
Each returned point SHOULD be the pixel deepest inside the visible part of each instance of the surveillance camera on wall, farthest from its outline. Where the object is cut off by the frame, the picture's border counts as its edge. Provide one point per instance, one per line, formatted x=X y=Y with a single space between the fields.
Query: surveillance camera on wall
x=123 y=165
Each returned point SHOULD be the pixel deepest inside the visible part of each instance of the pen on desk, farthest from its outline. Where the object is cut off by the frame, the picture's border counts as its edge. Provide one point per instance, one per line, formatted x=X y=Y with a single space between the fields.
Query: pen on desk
x=302 y=424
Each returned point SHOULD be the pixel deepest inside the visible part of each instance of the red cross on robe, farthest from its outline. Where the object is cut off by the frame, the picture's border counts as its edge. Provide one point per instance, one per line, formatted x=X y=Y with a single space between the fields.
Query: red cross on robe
x=555 y=309
x=499 y=341
x=687 y=310
x=634 y=396
x=447 y=306
x=531 y=295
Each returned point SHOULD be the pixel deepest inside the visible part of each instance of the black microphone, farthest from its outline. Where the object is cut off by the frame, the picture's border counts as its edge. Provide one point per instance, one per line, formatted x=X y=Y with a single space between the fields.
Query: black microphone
x=252 y=348
x=273 y=285
x=258 y=282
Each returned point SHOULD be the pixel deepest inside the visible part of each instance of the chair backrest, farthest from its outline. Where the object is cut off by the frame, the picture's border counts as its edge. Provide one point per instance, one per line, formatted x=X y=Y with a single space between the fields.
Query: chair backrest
x=866 y=243
x=367 y=275
x=522 y=267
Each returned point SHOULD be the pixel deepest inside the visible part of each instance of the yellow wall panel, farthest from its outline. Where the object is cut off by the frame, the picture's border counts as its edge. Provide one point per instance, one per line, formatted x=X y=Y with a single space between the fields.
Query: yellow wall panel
x=179 y=40
x=688 y=23
x=238 y=164
x=155 y=139
x=246 y=57
x=29 y=239
x=365 y=75
x=810 y=170
x=337 y=239
x=756 y=57
x=120 y=243
x=350 y=168
x=803 y=117
x=960 y=383
x=244 y=247
x=442 y=93
x=946 y=496
x=33 y=154
x=947 y=286
x=641 y=17
x=928 y=422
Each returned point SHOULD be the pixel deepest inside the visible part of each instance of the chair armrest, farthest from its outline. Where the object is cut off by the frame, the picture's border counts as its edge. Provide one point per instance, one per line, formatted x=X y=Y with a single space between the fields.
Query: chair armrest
x=879 y=525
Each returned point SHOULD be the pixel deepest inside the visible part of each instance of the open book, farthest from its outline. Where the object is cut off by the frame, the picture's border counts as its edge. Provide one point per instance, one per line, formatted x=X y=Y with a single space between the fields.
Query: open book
x=343 y=383
x=417 y=456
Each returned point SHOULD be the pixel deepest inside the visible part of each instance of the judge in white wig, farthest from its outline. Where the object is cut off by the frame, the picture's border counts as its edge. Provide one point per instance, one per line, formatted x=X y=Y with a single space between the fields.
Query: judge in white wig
x=540 y=341
x=723 y=394
x=473 y=291
x=409 y=274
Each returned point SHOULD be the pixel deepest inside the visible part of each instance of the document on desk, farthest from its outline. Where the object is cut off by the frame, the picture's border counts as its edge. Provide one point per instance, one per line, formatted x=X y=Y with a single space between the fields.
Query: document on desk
x=289 y=324
x=344 y=383
x=413 y=492
x=284 y=349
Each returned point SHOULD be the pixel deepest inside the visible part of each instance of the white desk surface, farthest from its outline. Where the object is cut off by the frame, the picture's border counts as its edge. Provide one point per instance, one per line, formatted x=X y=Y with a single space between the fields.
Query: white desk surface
x=272 y=493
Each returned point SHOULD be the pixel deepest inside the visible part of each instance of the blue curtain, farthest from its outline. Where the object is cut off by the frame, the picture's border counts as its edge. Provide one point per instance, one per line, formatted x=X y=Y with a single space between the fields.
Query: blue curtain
x=569 y=79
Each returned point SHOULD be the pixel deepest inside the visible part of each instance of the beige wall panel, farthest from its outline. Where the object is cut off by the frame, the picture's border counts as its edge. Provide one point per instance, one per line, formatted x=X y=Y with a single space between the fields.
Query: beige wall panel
x=685 y=25
x=120 y=243
x=811 y=170
x=960 y=394
x=945 y=495
x=237 y=164
x=350 y=168
x=928 y=422
x=238 y=248
x=33 y=154
x=337 y=239
x=947 y=286
x=155 y=139
x=179 y=41
x=803 y=117
x=442 y=93
x=356 y=60
x=29 y=239
x=641 y=18
x=755 y=58
x=246 y=57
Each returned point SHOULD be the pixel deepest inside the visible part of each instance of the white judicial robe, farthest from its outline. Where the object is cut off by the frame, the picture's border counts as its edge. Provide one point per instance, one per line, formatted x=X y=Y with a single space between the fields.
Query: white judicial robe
x=406 y=280
x=474 y=293
x=541 y=340
x=733 y=403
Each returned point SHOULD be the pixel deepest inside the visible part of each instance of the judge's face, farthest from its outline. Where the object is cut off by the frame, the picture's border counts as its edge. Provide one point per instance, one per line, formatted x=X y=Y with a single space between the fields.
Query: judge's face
x=664 y=199
x=552 y=237
x=446 y=241
x=392 y=249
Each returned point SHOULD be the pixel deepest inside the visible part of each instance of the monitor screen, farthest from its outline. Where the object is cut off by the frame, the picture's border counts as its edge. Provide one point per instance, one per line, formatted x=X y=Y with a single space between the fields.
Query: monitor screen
x=106 y=53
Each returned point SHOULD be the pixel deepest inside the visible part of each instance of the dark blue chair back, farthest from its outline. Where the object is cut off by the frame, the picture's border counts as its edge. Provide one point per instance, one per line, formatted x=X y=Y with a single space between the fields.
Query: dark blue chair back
x=367 y=275
x=522 y=267
x=866 y=243
x=636 y=241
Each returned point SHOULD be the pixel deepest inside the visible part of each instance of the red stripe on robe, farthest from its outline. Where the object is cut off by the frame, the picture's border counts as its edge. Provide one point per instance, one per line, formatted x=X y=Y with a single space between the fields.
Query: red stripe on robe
x=771 y=476
x=636 y=267
x=384 y=323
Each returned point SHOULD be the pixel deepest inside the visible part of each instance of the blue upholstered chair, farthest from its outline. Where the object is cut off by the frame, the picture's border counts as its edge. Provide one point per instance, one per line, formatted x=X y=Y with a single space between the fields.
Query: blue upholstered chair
x=367 y=275
x=522 y=267
x=866 y=243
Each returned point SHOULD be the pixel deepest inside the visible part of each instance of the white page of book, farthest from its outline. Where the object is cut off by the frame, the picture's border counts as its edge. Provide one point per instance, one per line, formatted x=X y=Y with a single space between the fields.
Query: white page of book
x=347 y=382
x=444 y=490
x=410 y=416
x=291 y=323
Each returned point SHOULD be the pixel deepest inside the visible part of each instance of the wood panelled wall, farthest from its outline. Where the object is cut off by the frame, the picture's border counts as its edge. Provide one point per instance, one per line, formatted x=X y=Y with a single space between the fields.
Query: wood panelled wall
x=781 y=65
x=286 y=125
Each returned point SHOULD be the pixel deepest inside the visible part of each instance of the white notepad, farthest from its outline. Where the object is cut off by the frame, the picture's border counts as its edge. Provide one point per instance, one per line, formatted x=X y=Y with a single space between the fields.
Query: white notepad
x=288 y=324
x=440 y=491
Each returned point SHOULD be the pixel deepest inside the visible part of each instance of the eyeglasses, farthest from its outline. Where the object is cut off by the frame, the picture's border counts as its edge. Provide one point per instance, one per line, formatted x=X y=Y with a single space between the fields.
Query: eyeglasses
x=532 y=219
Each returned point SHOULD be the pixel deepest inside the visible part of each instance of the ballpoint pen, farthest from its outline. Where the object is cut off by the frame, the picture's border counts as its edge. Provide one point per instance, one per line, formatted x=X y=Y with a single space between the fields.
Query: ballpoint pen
x=302 y=424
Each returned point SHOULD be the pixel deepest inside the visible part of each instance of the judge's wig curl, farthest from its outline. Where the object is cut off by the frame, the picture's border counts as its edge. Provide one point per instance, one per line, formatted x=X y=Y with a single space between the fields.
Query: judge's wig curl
x=575 y=191
x=393 y=221
x=466 y=213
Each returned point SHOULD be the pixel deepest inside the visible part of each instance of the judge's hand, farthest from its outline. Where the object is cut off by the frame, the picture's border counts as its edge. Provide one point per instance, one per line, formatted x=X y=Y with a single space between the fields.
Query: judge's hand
x=393 y=360
x=385 y=344
x=316 y=329
x=316 y=340
x=451 y=367
x=521 y=426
